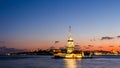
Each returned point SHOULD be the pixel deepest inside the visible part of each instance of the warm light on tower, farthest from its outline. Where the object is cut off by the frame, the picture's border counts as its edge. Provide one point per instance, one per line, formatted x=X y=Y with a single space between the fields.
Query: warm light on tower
x=70 y=47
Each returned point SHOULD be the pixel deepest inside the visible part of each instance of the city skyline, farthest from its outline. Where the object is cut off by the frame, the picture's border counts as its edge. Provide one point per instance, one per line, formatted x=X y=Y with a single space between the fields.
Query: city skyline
x=29 y=24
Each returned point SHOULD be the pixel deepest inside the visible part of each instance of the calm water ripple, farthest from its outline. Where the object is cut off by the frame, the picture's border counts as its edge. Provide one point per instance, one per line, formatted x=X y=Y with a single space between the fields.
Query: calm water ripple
x=49 y=62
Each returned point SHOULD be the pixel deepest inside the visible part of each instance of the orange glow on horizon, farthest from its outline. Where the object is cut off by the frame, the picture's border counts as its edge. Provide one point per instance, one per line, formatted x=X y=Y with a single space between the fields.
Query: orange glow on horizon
x=46 y=44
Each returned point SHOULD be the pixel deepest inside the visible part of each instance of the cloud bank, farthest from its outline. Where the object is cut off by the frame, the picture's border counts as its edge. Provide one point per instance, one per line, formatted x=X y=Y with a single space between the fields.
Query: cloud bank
x=118 y=36
x=107 y=38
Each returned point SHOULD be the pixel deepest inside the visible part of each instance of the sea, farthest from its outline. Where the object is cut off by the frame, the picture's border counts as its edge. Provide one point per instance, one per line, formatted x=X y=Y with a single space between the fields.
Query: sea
x=50 y=62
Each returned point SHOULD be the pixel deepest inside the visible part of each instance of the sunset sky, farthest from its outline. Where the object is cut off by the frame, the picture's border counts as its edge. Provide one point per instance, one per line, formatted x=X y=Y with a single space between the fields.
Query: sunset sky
x=31 y=24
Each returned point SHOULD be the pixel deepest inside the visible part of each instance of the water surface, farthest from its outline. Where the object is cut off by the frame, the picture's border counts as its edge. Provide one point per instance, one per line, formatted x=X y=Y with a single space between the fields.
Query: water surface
x=50 y=62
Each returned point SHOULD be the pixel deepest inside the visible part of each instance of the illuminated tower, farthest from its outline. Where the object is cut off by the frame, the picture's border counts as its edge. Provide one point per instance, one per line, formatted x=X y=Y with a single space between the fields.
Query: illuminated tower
x=70 y=45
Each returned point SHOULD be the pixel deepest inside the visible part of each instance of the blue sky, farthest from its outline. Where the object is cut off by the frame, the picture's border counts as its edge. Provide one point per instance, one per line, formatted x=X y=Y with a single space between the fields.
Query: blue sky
x=37 y=21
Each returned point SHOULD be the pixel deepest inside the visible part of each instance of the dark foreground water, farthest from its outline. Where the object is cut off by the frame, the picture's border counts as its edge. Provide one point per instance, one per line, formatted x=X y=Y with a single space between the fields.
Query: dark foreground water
x=49 y=62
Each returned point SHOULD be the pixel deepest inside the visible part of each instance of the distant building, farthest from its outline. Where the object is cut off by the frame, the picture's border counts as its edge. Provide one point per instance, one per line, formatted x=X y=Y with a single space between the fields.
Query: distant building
x=77 y=47
x=4 y=50
x=51 y=48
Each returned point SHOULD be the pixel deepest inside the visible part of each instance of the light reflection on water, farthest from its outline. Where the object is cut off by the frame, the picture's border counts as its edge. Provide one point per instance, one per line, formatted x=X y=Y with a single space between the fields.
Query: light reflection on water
x=70 y=63
x=49 y=62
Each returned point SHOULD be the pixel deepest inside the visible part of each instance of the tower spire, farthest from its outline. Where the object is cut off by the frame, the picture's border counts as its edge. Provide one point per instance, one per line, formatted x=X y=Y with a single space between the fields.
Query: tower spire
x=70 y=29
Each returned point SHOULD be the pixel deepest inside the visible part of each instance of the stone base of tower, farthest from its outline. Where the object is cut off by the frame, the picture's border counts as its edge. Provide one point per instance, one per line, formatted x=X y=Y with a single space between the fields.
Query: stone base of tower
x=72 y=56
